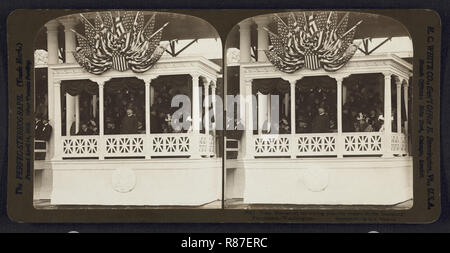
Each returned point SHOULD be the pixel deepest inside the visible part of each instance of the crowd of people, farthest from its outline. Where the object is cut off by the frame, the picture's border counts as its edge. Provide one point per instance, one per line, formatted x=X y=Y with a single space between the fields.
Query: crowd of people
x=362 y=111
x=316 y=112
x=124 y=113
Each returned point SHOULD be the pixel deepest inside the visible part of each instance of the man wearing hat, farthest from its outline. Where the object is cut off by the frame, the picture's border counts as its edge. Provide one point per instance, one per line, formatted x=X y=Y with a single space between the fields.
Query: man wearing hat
x=129 y=123
x=46 y=131
x=321 y=123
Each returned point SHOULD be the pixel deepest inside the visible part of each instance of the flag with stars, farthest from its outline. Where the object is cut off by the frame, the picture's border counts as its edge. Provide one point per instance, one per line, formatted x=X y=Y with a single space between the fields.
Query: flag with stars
x=120 y=40
x=312 y=40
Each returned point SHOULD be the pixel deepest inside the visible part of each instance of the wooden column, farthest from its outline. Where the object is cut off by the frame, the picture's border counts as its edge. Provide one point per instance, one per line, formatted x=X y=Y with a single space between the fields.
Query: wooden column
x=52 y=50
x=195 y=136
x=101 y=121
x=248 y=154
x=152 y=95
x=405 y=98
x=340 y=145
x=147 y=145
x=57 y=125
x=69 y=38
x=245 y=41
x=292 y=84
x=206 y=121
x=213 y=100
x=195 y=104
x=77 y=114
x=70 y=112
x=263 y=37
x=260 y=112
x=387 y=136
x=399 y=106
x=293 y=145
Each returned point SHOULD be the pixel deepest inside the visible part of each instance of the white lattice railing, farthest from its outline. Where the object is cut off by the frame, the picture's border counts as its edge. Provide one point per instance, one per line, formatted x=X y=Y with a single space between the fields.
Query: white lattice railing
x=206 y=145
x=325 y=144
x=366 y=143
x=398 y=143
x=272 y=145
x=124 y=145
x=170 y=144
x=294 y=145
x=80 y=146
x=107 y=146
x=315 y=144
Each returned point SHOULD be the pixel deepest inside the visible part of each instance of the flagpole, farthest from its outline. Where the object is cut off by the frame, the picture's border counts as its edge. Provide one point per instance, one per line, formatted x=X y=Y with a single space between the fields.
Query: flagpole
x=158 y=30
x=343 y=35
x=85 y=19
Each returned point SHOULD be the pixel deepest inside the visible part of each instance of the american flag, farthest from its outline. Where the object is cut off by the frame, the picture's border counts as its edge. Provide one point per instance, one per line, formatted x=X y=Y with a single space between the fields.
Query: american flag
x=119 y=62
x=120 y=41
x=313 y=40
x=312 y=24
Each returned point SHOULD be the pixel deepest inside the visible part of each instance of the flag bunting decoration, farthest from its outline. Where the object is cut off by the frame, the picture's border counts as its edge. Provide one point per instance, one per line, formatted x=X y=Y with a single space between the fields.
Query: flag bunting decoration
x=312 y=40
x=120 y=41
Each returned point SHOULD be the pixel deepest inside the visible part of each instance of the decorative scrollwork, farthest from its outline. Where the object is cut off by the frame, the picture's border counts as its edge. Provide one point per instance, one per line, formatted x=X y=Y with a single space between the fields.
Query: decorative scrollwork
x=316 y=144
x=129 y=145
x=363 y=143
x=170 y=144
x=271 y=145
x=80 y=146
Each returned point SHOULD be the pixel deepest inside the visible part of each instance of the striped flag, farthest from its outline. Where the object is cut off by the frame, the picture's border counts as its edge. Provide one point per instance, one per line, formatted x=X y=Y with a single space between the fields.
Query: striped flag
x=120 y=41
x=313 y=40
x=119 y=62
x=312 y=61
x=119 y=26
x=312 y=24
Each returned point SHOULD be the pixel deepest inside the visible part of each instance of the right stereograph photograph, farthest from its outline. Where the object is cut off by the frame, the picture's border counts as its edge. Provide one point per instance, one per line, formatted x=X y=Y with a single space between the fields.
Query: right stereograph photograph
x=317 y=112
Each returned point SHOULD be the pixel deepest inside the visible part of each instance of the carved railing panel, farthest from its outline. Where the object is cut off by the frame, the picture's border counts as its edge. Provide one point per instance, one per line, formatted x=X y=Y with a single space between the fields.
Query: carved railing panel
x=124 y=145
x=108 y=146
x=315 y=144
x=206 y=145
x=272 y=145
x=398 y=143
x=80 y=146
x=362 y=143
x=170 y=144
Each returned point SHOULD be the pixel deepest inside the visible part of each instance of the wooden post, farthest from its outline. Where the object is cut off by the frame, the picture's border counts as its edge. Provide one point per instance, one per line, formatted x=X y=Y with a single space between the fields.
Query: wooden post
x=340 y=142
x=292 y=141
x=195 y=138
x=52 y=49
x=249 y=150
x=387 y=151
x=405 y=98
x=206 y=105
x=101 y=121
x=399 y=106
x=57 y=125
x=147 y=145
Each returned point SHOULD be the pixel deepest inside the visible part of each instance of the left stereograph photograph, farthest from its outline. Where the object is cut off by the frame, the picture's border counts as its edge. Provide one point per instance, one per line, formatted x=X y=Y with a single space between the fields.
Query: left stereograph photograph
x=125 y=111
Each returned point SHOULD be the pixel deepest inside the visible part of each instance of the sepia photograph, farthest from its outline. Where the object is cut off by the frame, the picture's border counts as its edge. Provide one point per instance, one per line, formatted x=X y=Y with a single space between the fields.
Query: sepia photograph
x=125 y=111
x=224 y=116
x=318 y=105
